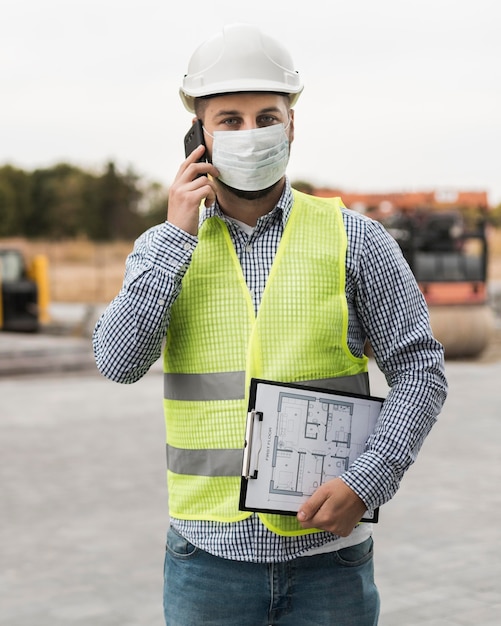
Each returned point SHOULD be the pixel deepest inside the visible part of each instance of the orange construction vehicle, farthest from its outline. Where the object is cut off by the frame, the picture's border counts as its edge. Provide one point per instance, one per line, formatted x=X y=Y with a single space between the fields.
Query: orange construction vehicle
x=449 y=262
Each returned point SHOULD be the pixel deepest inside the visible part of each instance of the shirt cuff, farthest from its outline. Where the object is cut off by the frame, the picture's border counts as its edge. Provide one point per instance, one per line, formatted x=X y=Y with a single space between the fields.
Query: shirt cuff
x=171 y=249
x=371 y=479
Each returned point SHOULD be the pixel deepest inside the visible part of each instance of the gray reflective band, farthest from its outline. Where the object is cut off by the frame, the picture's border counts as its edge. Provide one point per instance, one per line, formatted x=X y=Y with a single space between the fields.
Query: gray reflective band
x=231 y=385
x=205 y=462
x=359 y=383
x=199 y=387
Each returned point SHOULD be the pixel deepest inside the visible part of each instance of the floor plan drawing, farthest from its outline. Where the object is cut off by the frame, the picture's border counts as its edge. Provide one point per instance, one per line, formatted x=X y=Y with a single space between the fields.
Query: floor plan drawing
x=298 y=438
x=315 y=440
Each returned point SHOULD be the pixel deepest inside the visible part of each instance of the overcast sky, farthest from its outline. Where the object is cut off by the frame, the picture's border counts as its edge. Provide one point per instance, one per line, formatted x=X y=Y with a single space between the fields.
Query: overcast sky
x=399 y=94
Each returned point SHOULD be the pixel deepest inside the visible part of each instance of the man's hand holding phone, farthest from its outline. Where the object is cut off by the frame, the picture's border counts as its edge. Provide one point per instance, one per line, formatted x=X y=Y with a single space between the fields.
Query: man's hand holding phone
x=192 y=183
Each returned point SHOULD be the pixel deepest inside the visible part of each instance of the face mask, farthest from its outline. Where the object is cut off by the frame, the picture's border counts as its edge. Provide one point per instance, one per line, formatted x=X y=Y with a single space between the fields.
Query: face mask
x=251 y=160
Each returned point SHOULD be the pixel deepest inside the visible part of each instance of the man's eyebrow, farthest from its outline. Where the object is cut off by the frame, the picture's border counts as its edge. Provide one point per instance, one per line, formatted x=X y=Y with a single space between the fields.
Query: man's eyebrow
x=236 y=112
x=223 y=112
x=272 y=109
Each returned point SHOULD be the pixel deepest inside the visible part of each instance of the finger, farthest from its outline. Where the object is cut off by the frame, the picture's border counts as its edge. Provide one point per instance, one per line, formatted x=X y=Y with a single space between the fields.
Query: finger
x=311 y=507
x=210 y=198
x=186 y=169
x=196 y=155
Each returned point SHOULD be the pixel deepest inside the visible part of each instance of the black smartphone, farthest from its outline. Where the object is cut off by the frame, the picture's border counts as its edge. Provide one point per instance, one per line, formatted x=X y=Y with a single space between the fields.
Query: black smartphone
x=194 y=138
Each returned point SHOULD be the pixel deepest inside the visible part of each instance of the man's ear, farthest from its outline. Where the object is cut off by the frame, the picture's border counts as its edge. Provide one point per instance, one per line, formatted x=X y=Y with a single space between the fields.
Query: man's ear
x=291 y=126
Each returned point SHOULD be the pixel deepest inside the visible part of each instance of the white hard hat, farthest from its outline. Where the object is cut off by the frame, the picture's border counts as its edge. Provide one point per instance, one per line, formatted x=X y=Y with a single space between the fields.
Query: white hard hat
x=239 y=58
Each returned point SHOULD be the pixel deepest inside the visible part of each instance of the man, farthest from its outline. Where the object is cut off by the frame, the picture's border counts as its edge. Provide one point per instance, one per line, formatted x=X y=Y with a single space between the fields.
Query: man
x=248 y=277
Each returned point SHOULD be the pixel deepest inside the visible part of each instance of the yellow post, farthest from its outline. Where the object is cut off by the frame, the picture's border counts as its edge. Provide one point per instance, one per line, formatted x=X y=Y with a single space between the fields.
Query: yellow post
x=40 y=274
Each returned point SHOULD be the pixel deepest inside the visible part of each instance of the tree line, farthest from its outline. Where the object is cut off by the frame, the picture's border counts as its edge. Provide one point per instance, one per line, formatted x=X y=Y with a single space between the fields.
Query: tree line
x=65 y=201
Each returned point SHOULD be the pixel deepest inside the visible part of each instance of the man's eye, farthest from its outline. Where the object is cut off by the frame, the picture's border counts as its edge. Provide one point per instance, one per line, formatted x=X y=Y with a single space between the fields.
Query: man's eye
x=269 y=120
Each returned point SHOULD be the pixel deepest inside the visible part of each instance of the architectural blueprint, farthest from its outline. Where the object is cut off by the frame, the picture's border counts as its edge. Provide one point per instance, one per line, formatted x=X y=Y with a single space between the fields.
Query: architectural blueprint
x=299 y=438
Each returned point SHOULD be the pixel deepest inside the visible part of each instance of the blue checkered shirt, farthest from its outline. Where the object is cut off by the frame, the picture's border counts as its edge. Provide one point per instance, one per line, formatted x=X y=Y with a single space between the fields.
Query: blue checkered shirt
x=385 y=307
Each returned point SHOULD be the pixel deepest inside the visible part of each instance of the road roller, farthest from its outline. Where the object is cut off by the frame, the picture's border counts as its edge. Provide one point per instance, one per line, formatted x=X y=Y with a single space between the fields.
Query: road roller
x=449 y=262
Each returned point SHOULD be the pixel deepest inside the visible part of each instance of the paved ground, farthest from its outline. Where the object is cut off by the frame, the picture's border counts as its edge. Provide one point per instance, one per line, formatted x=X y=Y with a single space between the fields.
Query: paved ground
x=83 y=503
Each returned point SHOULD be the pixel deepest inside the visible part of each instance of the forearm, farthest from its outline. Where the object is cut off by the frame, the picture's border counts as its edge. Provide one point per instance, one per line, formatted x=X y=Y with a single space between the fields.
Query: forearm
x=408 y=414
x=394 y=316
x=129 y=335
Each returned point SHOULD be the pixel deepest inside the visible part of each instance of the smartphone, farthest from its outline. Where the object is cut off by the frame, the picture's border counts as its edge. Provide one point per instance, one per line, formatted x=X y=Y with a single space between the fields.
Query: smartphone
x=194 y=138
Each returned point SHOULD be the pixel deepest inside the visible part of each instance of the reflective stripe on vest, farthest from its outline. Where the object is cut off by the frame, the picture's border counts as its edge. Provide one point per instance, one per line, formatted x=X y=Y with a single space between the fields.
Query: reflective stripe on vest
x=231 y=385
x=204 y=462
x=216 y=386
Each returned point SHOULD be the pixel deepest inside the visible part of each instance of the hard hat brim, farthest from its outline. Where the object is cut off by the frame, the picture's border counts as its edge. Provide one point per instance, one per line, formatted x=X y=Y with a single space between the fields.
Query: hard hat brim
x=188 y=99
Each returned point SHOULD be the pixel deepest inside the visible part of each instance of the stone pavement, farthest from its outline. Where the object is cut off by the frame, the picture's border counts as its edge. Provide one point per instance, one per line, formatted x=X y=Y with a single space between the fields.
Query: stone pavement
x=64 y=344
x=438 y=542
x=84 y=511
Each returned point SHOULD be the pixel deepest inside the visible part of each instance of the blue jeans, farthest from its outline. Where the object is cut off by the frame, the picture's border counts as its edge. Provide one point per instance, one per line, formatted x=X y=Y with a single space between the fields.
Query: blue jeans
x=330 y=589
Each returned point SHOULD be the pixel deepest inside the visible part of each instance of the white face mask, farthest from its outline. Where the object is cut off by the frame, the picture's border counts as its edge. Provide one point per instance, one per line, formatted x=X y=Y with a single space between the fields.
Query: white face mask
x=251 y=160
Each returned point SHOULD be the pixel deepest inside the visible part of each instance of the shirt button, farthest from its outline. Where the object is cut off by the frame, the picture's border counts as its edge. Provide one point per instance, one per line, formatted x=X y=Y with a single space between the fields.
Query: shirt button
x=248 y=247
x=187 y=246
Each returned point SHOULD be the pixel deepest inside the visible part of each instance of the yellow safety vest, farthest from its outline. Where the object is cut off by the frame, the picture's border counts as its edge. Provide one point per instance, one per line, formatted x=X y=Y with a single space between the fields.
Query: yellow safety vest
x=215 y=344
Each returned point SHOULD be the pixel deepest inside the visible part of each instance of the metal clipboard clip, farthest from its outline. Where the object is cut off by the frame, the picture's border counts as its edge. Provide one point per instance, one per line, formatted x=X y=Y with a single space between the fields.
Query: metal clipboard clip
x=251 y=454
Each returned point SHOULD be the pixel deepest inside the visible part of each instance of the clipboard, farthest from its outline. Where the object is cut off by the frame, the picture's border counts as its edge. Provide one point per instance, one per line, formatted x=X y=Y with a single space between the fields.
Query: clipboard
x=297 y=438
